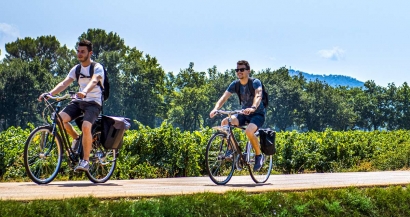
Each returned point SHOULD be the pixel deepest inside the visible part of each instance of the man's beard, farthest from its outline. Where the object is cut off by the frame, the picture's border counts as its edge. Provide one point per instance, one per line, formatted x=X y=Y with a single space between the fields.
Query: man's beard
x=84 y=58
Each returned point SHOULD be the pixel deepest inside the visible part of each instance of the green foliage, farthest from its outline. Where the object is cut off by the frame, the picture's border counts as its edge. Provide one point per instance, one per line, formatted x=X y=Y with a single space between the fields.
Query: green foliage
x=141 y=90
x=335 y=151
x=169 y=152
x=392 y=201
x=11 y=153
x=162 y=152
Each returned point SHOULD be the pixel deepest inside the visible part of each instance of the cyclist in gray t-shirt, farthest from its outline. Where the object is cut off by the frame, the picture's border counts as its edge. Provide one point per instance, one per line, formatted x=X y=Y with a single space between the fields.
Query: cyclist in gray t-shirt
x=253 y=109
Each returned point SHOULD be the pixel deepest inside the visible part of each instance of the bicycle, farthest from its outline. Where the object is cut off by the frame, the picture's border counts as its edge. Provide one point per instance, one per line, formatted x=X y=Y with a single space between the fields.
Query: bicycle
x=221 y=166
x=43 y=151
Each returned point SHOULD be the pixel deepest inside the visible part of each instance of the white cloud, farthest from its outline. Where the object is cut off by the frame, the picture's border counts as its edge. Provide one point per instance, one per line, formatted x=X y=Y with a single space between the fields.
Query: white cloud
x=8 y=33
x=7 y=30
x=334 y=54
x=272 y=58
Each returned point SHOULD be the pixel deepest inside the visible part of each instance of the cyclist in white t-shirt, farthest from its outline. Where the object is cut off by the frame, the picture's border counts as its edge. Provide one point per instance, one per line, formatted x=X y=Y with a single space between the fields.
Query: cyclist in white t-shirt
x=88 y=102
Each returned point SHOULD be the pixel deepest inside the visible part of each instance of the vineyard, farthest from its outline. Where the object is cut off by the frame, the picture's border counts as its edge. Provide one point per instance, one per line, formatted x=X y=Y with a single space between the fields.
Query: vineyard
x=166 y=151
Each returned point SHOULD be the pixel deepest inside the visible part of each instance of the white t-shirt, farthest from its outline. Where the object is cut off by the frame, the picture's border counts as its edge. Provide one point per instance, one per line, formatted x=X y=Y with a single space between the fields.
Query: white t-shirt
x=95 y=93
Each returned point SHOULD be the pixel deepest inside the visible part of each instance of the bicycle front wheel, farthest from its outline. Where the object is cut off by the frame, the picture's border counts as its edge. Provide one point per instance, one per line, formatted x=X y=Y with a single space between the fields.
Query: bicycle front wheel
x=262 y=175
x=43 y=154
x=219 y=166
x=102 y=161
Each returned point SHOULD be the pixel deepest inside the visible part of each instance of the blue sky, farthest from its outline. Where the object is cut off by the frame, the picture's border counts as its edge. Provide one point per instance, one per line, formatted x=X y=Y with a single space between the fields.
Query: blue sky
x=367 y=40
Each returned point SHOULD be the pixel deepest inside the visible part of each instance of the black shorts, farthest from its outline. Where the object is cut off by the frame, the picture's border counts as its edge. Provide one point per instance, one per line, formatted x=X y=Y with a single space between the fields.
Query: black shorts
x=257 y=119
x=91 y=110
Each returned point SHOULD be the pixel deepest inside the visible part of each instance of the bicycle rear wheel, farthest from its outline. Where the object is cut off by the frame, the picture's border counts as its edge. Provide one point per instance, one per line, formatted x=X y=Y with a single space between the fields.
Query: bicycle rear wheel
x=219 y=167
x=43 y=154
x=262 y=175
x=102 y=161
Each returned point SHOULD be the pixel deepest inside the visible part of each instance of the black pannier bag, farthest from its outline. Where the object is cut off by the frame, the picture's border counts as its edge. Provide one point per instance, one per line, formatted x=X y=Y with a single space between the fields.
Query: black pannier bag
x=267 y=141
x=113 y=129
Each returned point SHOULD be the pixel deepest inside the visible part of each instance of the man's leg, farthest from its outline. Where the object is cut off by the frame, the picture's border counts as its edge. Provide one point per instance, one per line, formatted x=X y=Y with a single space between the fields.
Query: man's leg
x=87 y=139
x=68 y=127
x=234 y=121
x=255 y=123
x=91 y=111
x=250 y=133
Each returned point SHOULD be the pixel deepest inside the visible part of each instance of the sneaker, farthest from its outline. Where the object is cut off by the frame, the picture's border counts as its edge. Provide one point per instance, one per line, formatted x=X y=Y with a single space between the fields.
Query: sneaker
x=83 y=165
x=74 y=145
x=259 y=159
x=229 y=154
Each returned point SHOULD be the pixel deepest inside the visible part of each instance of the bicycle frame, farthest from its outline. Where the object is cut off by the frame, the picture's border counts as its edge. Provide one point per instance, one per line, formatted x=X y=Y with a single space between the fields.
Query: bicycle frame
x=43 y=150
x=58 y=126
x=231 y=137
x=224 y=153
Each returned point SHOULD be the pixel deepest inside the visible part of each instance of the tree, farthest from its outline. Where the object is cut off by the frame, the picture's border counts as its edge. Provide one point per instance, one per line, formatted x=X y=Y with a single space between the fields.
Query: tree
x=285 y=93
x=20 y=85
x=103 y=42
x=374 y=111
x=43 y=48
x=190 y=100
x=401 y=107
x=142 y=88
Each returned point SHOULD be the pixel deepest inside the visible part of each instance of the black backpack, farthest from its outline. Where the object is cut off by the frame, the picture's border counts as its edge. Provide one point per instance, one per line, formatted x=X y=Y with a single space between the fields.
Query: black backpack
x=265 y=96
x=106 y=89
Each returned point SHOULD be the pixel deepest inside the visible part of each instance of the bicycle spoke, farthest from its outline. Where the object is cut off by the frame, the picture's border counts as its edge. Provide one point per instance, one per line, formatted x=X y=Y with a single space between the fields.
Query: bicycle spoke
x=42 y=155
x=261 y=175
x=102 y=161
x=219 y=168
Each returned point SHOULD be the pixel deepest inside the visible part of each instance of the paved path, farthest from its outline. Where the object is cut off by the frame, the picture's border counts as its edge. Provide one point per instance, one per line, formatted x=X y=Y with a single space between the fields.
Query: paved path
x=190 y=185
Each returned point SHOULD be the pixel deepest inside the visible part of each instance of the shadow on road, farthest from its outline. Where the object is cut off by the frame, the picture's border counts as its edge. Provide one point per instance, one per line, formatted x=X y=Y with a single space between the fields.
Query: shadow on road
x=69 y=185
x=243 y=185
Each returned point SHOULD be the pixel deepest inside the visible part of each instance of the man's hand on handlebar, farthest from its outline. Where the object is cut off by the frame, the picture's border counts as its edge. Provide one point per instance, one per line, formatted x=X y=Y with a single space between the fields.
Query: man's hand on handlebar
x=248 y=111
x=213 y=113
x=43 y=95
x=81 y=95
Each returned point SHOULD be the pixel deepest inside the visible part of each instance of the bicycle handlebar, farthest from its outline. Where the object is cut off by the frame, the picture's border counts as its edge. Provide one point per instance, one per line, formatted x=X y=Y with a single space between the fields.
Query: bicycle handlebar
x=229 y=113
x=59 y=98
x=69 y=95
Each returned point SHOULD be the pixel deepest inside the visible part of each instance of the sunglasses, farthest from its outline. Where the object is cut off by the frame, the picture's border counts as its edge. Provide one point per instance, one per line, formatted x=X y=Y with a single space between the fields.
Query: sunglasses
x=241 y=69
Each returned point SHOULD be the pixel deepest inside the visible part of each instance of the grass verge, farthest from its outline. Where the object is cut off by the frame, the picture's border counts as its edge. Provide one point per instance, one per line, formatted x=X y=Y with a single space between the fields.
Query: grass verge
x=391 y=201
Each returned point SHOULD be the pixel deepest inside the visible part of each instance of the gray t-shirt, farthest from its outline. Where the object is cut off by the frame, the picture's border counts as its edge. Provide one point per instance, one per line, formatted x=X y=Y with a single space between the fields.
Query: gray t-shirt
x=246 y=96
x=95 y=93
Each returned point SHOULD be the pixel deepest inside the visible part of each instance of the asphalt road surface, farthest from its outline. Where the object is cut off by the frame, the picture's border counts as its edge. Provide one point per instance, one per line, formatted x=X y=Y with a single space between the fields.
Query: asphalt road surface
x=178 y=186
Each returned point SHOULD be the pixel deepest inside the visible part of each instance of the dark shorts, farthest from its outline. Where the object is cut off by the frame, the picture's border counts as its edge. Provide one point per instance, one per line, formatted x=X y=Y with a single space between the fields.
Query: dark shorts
x=257 y=119
x=91 y=110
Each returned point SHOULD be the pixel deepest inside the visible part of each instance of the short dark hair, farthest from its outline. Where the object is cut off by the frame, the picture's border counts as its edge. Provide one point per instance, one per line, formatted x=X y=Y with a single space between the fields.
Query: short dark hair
x=87 y=43
x=245 y=63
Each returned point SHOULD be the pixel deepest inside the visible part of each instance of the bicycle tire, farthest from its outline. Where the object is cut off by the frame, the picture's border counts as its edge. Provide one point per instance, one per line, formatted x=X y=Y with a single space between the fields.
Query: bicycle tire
x=262 y=175
x=102 y=161
x=43 y=157
x=220 y=168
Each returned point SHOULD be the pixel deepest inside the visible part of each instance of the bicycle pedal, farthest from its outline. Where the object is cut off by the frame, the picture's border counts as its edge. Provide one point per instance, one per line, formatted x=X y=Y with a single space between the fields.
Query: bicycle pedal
x=238 y=167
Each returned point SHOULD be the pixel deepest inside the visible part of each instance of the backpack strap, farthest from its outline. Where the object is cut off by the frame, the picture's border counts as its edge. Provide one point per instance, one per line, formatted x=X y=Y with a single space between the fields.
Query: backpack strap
x=238 y=90
x=78 y=72
x=250 y=86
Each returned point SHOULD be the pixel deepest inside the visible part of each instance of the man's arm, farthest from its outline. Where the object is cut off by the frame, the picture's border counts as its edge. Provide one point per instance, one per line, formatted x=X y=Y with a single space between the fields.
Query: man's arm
x=60 y=87
x=220 y=103
x=256 y=101
x=94 y=81
x=258 y=98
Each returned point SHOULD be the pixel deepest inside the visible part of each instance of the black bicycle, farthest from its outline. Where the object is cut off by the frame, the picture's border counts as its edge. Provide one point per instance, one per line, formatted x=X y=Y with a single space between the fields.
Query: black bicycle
x=45 y=146
x=224 y=154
